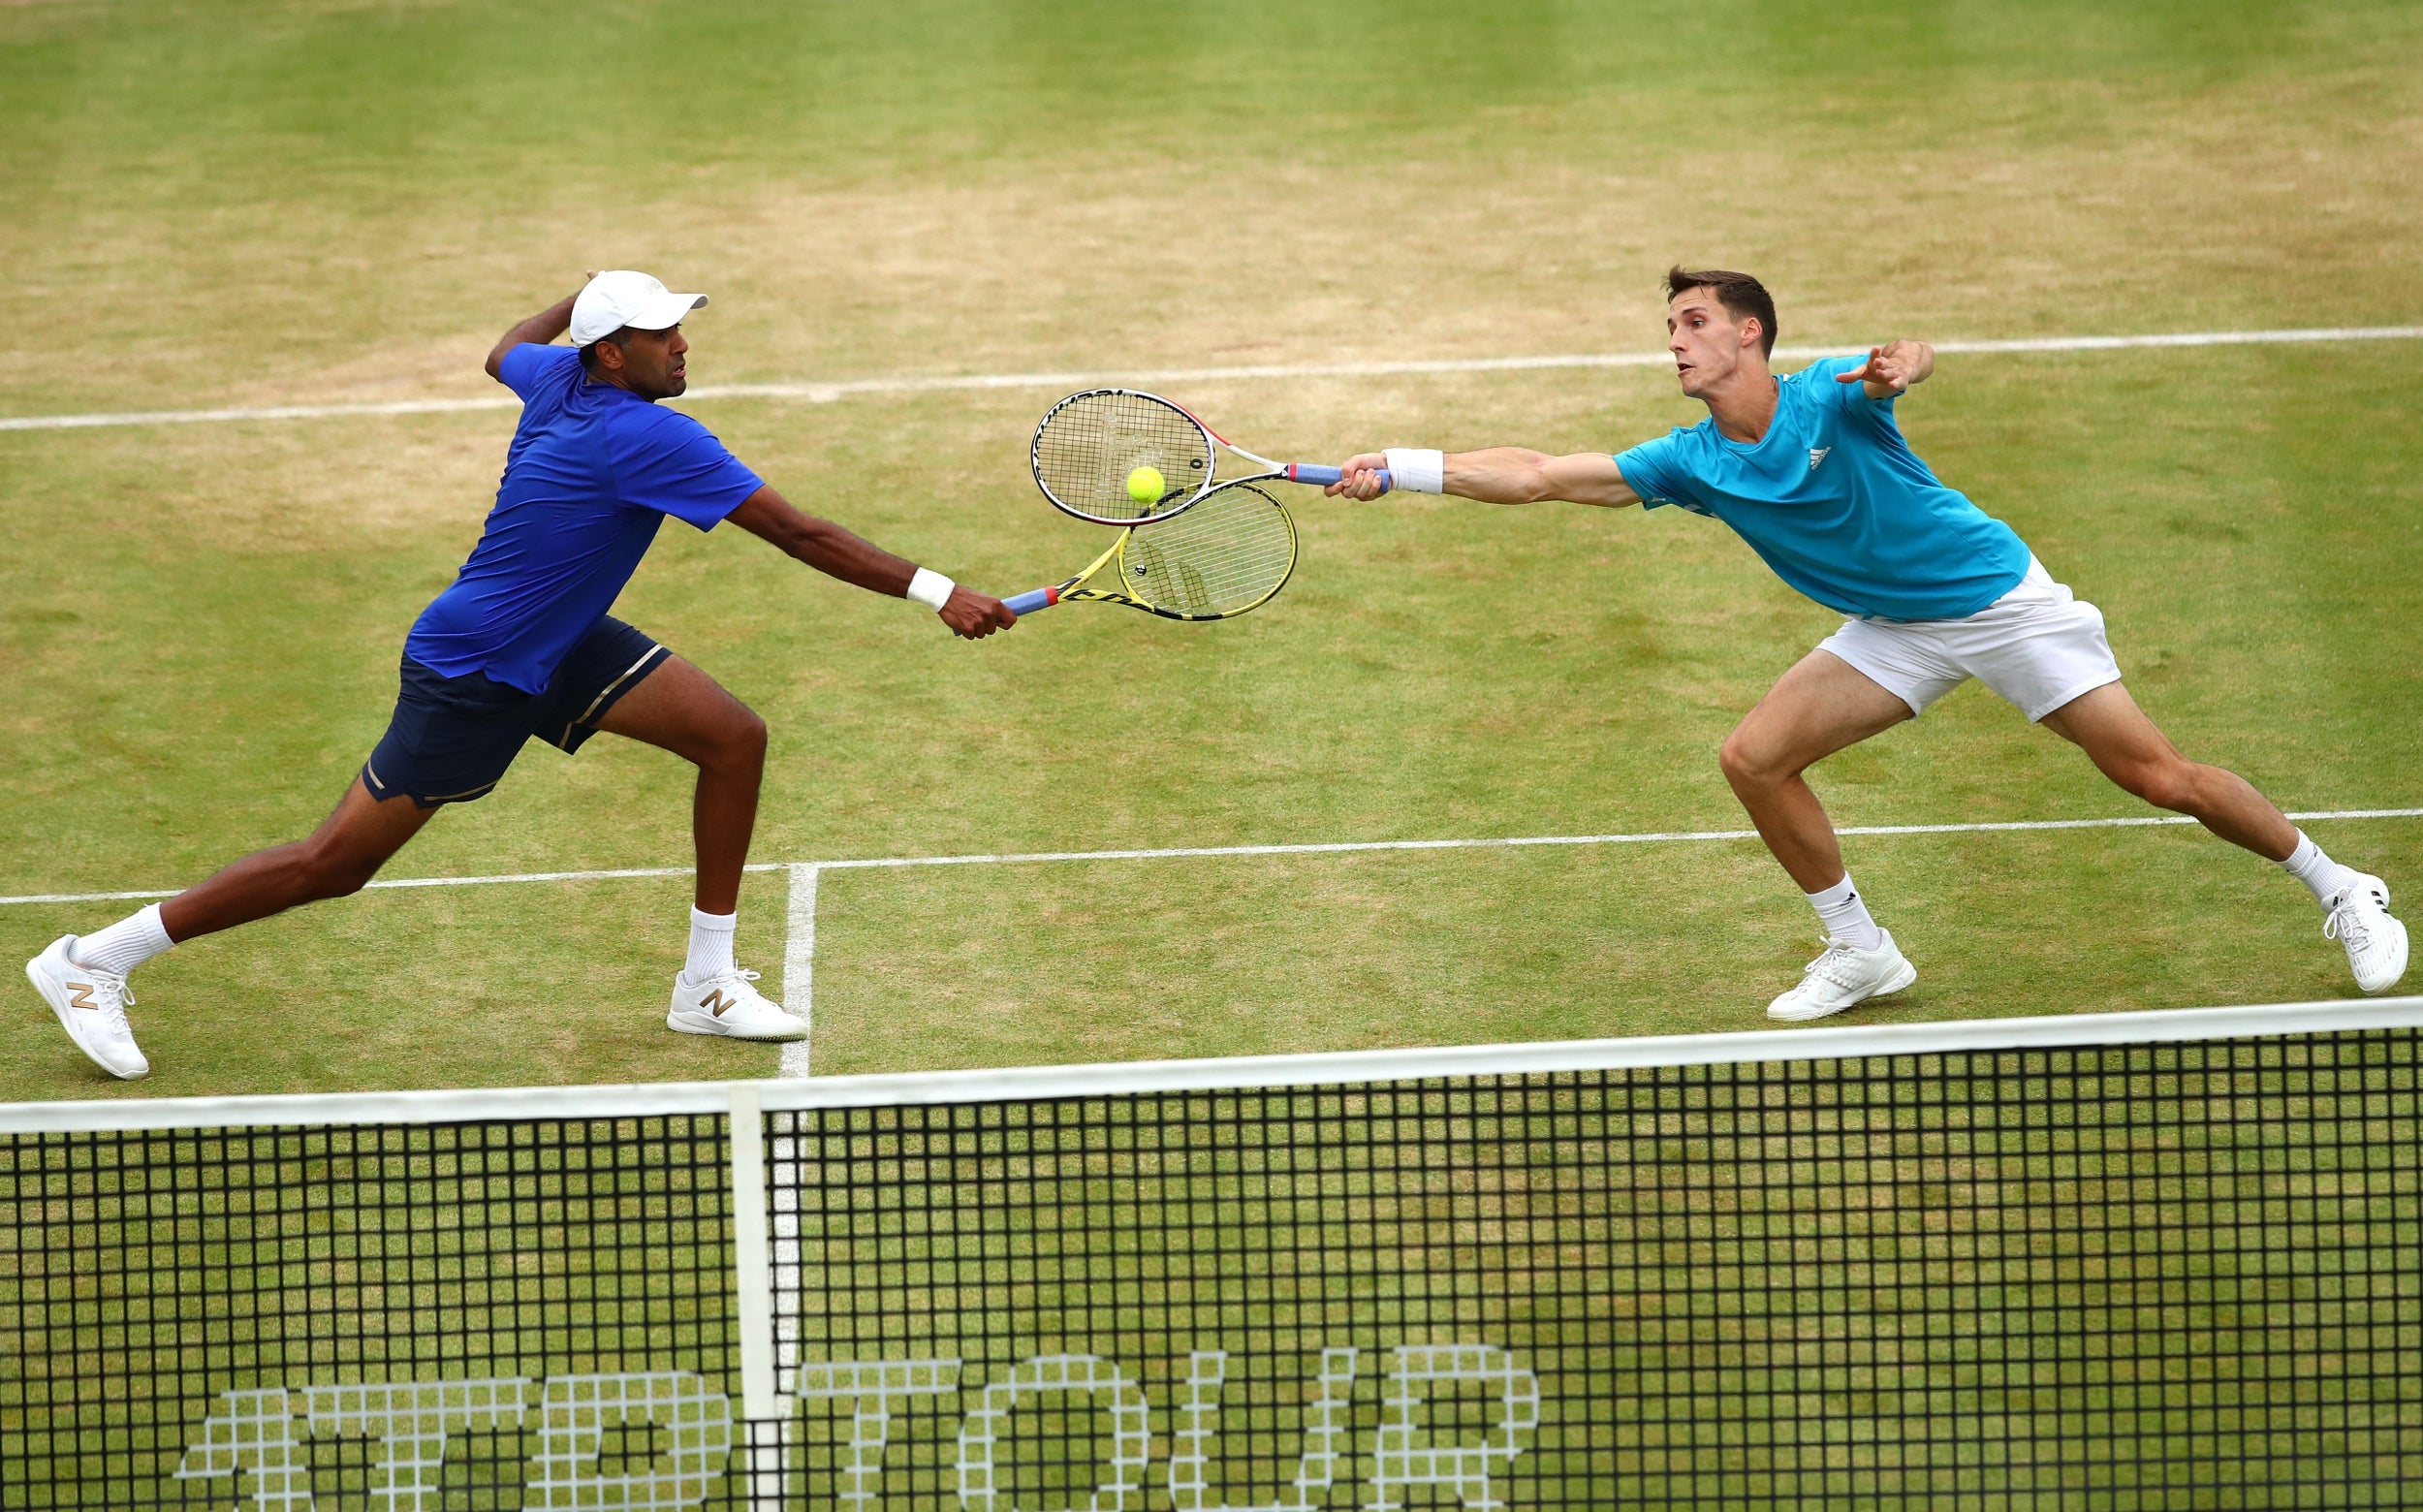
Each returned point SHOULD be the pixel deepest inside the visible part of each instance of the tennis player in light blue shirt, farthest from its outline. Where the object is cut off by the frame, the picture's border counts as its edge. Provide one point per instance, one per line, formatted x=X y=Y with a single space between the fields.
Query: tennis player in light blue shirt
x=1811 y=470
x=1837 y=503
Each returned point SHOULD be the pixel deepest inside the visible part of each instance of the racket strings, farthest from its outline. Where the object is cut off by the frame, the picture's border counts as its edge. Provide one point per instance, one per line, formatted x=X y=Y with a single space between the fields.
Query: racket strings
x=1224 y=554
x=1091 y=444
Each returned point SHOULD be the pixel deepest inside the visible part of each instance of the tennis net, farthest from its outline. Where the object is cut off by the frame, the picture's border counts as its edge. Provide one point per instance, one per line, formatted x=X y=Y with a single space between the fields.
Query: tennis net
x=2143 y=1261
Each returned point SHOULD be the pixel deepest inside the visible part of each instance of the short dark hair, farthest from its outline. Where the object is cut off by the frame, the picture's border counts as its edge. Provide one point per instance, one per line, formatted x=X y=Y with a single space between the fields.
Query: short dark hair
x=621 y=336
x=1740 y=294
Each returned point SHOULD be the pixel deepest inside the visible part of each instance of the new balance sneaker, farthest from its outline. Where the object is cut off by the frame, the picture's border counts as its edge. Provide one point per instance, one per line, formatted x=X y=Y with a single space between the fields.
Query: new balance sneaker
x=93 y=1004
x=2376 y=944
x=1844 y=976
x=726 y=1004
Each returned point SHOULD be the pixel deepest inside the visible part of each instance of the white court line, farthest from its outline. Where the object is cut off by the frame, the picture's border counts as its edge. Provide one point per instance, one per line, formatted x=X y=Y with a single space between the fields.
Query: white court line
x=827 y=392
x=512 y=876
x=798 y=964
x=1313 y=848
x=1642 y=838
x=799 y=957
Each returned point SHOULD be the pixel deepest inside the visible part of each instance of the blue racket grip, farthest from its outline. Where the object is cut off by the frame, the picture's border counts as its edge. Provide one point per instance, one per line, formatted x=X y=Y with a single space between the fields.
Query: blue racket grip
x=1322 y=477
x=1029 y=603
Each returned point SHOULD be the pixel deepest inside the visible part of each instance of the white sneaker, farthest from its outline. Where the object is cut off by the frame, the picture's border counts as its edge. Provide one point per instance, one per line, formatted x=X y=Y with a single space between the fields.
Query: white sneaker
x=2377 y=943
x=93 y=1004
x=726 y=1004
x=1844 y=976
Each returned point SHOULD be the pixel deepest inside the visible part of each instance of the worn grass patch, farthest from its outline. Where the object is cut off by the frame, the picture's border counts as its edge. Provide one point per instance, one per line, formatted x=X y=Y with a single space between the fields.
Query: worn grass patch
x=285 y=201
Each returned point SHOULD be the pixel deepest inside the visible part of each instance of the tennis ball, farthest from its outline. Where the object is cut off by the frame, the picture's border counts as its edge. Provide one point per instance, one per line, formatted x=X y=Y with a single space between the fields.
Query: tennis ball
x=1146 y=486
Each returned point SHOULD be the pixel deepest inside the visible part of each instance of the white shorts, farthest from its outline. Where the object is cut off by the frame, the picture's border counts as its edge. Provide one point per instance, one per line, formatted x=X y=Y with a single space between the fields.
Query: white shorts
x=2039 y=646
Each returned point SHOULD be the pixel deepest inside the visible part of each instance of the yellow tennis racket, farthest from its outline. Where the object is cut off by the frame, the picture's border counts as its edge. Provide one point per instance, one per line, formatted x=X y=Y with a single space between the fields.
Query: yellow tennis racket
x=1229 y=552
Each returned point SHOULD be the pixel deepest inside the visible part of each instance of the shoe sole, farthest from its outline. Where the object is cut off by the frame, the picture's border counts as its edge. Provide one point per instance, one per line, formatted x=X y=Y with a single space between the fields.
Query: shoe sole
x=60 y=1008
x=1893 y=983
x=693 y=1023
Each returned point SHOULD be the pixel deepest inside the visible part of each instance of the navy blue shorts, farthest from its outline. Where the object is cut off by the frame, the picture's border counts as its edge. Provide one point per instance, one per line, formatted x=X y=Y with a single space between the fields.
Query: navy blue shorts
x=452 y=738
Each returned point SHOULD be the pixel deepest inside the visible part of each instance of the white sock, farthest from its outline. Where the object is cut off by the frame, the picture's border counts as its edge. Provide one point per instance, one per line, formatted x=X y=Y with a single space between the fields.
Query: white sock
x=2317 y=872
x=1844 y=915
x=124 y=945
x=710 y=945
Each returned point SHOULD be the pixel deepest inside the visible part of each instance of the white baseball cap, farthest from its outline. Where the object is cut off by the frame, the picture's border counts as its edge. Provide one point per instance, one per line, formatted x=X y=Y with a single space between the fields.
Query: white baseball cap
x=625 y=298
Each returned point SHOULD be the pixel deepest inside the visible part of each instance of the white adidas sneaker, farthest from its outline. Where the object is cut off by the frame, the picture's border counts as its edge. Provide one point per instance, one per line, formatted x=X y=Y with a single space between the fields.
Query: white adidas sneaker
x=1844 y=976
x=726 y=1004
x=92 y=1005
x=2359 y=919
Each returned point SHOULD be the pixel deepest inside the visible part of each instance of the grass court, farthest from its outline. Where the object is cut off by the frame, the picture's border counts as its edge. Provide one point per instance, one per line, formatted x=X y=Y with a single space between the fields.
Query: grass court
x=311 y=201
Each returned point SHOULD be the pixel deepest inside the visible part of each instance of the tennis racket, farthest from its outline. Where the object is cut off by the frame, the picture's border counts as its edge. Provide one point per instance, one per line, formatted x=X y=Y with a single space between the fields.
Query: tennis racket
x=1233 y=551
x=1096 y=454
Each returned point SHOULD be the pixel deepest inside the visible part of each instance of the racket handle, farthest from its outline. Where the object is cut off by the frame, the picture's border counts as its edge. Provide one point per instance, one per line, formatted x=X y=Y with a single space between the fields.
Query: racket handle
x=1322 y=477
x=1029 y=603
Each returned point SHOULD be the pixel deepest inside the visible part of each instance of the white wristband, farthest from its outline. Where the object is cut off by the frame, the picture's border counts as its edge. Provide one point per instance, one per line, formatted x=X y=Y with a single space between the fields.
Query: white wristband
x=930 y=588
x=1414 y=469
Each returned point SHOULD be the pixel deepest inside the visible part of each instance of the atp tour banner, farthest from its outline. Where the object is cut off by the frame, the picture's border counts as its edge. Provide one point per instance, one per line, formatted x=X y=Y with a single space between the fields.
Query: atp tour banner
x=1217 y=1301
x=273 y=1448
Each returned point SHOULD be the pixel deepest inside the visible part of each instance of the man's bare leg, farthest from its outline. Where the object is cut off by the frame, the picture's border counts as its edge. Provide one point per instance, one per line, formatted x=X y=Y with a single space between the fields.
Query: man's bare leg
x=681 y=710
x=2126 y=747
x=1820 y=706
x=346 y=851
x=83 y=978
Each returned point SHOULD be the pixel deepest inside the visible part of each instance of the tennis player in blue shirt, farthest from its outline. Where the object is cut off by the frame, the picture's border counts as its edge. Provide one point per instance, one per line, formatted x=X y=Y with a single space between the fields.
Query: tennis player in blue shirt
x=1811 y=470
x=521 y=645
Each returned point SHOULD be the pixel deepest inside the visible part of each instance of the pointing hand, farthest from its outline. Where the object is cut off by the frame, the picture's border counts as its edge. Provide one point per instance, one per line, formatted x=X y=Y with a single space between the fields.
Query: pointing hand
x=1884 y=366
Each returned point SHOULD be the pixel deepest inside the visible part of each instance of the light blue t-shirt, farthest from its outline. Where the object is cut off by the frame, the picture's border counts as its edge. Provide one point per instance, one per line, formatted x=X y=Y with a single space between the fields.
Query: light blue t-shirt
x=592 y=473
x=1837 y=503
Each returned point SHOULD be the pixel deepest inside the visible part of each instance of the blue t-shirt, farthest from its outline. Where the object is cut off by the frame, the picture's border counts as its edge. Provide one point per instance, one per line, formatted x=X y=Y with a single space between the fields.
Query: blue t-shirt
x=1837 y=503
x=592 y=473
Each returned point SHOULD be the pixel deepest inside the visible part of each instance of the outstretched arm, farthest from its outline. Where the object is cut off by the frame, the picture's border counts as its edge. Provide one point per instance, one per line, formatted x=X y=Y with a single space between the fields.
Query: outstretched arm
x=1891 y=369
x=831 y=550
x=537 y=331
x=1506 y=475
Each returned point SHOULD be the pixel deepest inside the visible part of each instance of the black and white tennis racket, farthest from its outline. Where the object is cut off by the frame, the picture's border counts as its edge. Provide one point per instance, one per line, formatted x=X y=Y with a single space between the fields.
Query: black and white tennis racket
x=1231 y=552
x=1120 y=457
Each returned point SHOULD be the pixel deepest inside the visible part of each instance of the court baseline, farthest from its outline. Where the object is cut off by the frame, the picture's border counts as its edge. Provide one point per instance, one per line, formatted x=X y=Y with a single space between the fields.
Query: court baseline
x=826 y=393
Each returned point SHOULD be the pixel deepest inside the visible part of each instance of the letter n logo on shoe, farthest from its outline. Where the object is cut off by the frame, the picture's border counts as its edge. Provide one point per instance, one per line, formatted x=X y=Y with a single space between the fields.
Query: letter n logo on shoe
x=715 y=1002
x=84 y=996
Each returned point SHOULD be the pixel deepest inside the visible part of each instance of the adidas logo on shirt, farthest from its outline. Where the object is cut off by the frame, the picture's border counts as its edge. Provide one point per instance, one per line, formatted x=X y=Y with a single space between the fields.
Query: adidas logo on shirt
x=1816 y=455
